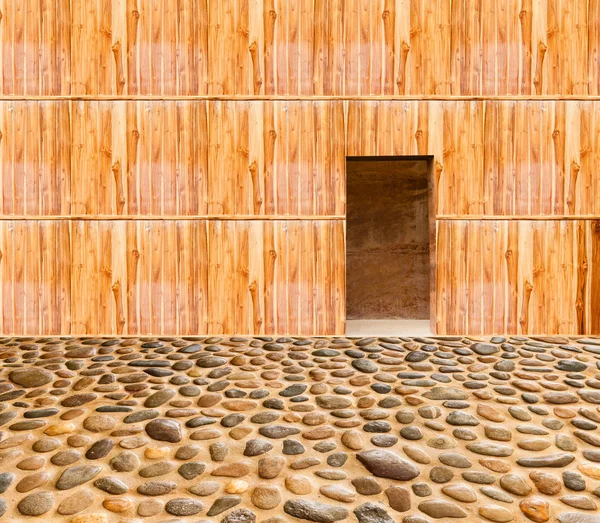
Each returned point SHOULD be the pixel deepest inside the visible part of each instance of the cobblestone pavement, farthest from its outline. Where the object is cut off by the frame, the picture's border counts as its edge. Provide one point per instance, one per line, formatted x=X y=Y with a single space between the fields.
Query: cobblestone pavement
x=273 y=430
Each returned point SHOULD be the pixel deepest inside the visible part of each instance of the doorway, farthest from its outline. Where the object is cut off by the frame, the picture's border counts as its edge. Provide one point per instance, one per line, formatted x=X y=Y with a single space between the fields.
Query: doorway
x=390 y=237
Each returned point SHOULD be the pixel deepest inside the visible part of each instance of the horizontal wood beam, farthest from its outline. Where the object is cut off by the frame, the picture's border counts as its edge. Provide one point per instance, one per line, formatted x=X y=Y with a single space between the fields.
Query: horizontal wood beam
x=308 y=98
x=137 y=217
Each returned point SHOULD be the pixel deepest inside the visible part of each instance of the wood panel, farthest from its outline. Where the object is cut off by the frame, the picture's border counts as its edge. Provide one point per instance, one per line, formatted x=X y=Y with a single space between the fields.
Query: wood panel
x=187 y=277
x=267 y=158
x=35 y=158
x=35 y=276
x=308 y=47
x=492 y=158
x=136 y=47
x=518 y=277
x=219 y=158
x=35 y=39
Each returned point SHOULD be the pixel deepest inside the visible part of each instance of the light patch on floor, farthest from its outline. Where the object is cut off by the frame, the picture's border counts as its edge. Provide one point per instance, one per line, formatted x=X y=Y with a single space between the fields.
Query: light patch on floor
x=360 y=328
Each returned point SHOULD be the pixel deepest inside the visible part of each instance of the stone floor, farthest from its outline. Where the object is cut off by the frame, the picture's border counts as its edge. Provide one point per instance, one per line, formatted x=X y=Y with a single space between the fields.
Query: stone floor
x=238 y=430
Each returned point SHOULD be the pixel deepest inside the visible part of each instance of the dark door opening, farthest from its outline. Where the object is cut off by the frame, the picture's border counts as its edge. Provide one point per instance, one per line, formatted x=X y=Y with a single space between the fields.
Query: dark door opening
x=388 y=236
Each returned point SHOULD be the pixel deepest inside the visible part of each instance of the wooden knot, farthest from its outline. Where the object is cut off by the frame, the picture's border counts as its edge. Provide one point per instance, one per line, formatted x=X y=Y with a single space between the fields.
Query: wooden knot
x=135 y=133
x=273 y=15
x=508 y=254
x=272 y=134
x=419 y=133
x=135 y=253
x=556 y=133
x=272 y=254
x=135 y=13
x=522 y=15
x=386 y=14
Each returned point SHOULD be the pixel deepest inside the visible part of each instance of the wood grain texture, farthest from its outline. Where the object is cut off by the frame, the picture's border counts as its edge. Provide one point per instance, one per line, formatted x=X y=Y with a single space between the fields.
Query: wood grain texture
x=35 y=275
x=268 y=158
x=517 y=277
x=187 y=277
x=143 y=277
x=35 y=40
x=492 y=158
x=308 y=47
x=35 y=158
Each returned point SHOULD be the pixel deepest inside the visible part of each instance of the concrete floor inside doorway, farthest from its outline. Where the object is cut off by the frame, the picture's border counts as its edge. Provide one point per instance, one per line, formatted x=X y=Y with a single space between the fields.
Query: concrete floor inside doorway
x=272 y=430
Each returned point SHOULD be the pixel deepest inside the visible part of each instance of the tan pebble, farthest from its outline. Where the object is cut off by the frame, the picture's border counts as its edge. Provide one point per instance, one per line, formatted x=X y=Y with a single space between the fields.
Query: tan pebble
x=298 y=484
x=360 y=393
x=337 y=493
x=72 y=414
x=270 y=467
x=496 y=465
x=15 y=441
x=266 y=497
x=515 y=485
x=269 y=375
x=318 y=388
x=590 y=470
x=564 y=412
x=404 y=390
x=232 y=470
x=536 y=509
x=239 y=405
x=483 y=394
x=89 y=518
x=302 y=407
x=134 y=443
x=75 y=503
x=236 y=486
x=292 y=417
x=352 y=439
x=99 y=423
x=149 y=507
x=489 y=413
x=32 y=481
x=180 y=404
x=417 y=454
x=441 y=442
x=527 y=385
x=117 y=505
x=365 y=403
x=205 y=488
x=496 y=513
x=323 y=432
x=157 y=452
x=414 y=400
x=214 y=413
x=32 y=463
x=60 y=428
x=314 y=418
x=546 y=483
x=533 y=444
x=11 y=455
x=209 y=400
x=360 y=381
x=78 y=440
x=239 y=433
x=462 y=493
x=205 y=434
x=248 y=384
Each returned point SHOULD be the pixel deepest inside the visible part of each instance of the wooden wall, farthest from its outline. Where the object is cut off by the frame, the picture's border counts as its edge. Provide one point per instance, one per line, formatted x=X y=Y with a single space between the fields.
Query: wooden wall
x=304 y=47
x=178 y=167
